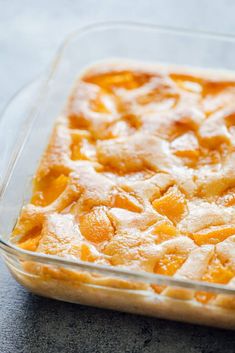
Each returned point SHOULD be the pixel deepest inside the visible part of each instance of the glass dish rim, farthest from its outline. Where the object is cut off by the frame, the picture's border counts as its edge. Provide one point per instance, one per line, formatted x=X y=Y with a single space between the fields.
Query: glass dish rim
x=9 y=249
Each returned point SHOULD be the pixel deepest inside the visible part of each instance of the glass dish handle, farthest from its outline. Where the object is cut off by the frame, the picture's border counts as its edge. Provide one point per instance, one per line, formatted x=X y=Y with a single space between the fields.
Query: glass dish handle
x=12 y=120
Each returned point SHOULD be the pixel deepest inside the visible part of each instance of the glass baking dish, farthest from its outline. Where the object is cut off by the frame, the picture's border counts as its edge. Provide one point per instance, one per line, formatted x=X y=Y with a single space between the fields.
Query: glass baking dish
x=24 y=135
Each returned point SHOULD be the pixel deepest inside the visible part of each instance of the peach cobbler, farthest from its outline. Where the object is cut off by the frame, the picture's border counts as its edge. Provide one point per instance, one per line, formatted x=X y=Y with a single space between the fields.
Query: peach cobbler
x=139 y=173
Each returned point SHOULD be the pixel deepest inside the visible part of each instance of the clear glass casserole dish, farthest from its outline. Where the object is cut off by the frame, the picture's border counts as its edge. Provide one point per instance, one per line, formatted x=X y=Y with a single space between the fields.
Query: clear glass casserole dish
x=24 y=139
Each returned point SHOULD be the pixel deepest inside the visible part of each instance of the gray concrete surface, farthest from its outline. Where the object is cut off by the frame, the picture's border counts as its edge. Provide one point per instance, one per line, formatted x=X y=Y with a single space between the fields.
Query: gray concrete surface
x=30 y=32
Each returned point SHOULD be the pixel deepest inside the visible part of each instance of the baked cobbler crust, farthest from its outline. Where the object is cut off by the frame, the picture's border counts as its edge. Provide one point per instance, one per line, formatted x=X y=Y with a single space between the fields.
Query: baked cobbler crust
x=139 y=174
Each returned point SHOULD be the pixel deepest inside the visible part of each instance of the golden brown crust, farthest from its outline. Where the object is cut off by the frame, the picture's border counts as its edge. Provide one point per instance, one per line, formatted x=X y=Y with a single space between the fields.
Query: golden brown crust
x=139 y=173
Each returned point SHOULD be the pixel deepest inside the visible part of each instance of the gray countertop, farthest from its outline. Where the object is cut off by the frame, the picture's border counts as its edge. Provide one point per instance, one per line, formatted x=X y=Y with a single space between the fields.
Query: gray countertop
x=30 y=32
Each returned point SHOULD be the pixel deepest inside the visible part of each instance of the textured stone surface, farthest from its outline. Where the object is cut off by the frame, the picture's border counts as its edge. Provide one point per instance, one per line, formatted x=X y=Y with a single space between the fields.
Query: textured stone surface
x=30 y=32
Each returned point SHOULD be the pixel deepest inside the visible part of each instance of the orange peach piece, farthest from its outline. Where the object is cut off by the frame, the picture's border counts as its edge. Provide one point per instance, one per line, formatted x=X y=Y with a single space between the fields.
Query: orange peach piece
x=216 y=273
x=76 y=148
x=95 y=225
x=228 y=199
x=30 y=240
x=124 y=200
x=169 y=264
x=172 y=204
x=30 y=244
x=125 y=79
x=214 y=234
x=164 y=231
x=87 y=254
x=48 y=190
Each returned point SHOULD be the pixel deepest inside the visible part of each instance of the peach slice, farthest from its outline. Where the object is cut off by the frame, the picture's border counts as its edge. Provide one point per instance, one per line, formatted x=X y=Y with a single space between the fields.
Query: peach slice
x=125 y=79
x=95 y=225
x=87 y=253
x=124 y=200
x=214 y=234
x=172 y=204
x=228 y=199
x=169 y=264
x=216 y=273
x=164 y=231
x=48 y=189
x=30 y=240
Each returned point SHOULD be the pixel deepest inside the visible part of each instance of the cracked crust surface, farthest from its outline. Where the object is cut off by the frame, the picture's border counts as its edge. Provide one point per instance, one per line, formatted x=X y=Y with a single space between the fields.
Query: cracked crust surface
x=139 y=173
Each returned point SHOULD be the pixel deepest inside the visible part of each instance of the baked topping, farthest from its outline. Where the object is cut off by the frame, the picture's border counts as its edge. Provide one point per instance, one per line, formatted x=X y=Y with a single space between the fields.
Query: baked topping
x=139 y=173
